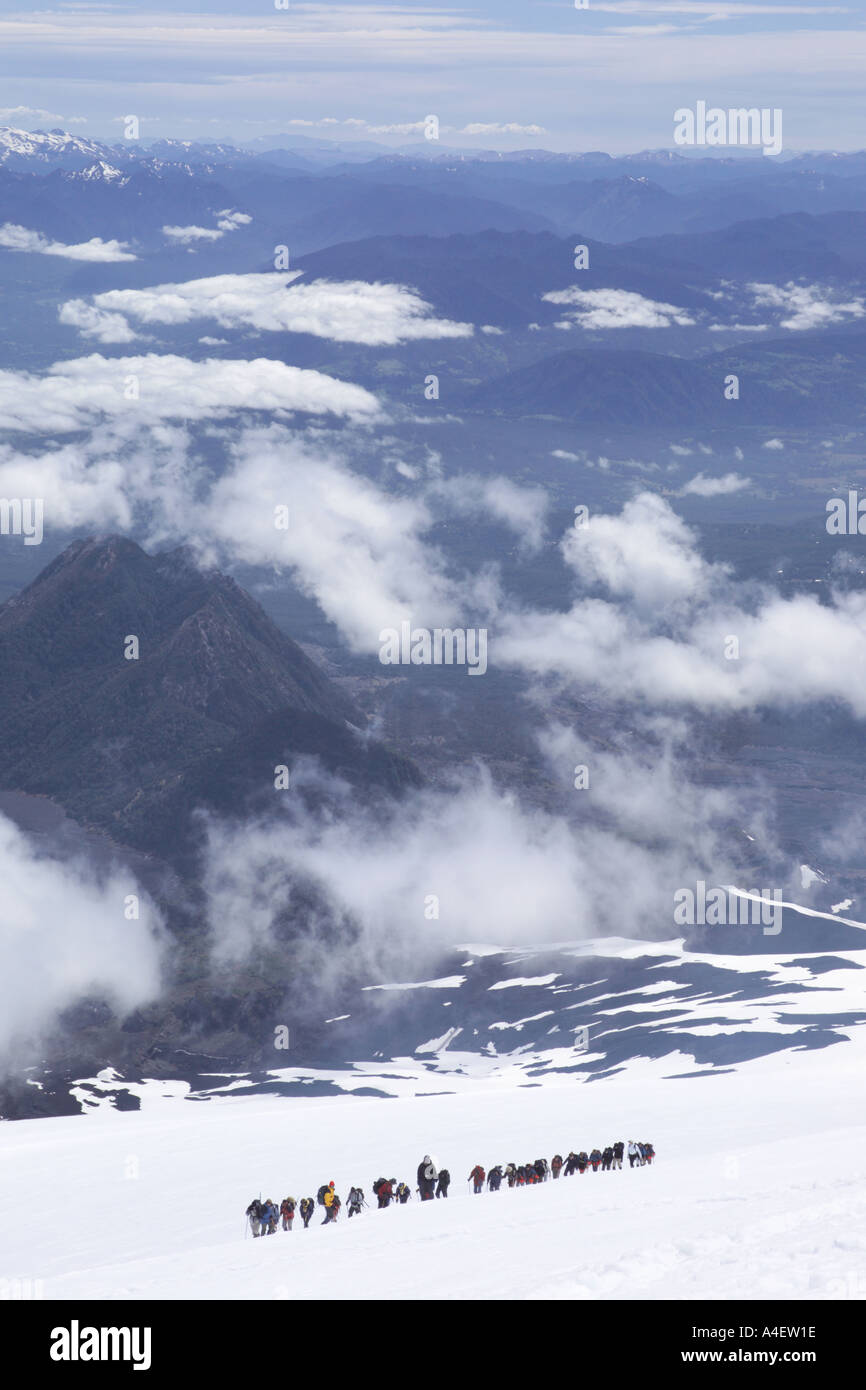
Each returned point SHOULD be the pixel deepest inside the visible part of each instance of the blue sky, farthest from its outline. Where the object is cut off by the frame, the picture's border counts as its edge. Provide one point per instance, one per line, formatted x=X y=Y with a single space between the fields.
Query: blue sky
x=502 y=75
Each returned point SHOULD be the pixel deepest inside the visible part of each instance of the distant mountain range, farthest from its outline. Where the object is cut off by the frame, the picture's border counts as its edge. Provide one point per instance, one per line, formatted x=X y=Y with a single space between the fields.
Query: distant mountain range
x=319 y=192
x=782 y=382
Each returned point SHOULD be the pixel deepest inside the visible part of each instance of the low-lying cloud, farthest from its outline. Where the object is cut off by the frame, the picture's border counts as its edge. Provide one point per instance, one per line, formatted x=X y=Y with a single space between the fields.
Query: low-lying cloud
x=608 y=308
x=350 y=311
x=66 y=934
x=83 y=391
x=16 y=238
x=679 y=632
x=806 y=306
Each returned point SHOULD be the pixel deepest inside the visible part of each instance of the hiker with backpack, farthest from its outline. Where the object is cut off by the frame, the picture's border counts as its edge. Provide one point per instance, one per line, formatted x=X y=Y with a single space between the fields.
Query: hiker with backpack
x=650 y=1152
x=331 y=1203
x=308 y=1206
x=325 y=1198
x=618 y=1149
x=555 y=1165
x=595 y=1159
x=476 y=1177
x=270 y=1217
x=510 y=1174
x=494 y=1178
x=287 y=1212
x=384 y=1191
x=254 y=1212
x=541 y=1169
x=606 y=1159
x=582 y=1161
x=571 y=1164
x=403 y=1193
x=443 y=1183
x=427 y=1176
x=633 y=1153
x=355 y=1201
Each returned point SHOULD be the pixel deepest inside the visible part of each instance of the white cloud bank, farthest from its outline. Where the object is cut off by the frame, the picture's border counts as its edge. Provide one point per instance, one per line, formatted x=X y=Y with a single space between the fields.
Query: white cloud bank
x=64 y=935
x=364 y=554
x=679 y=632
x=350 y=311
x=806 y=306
x=228 y=222
x=609 y=308
x=500 y=870
x=702 y=486
x=16 y=238
x=83 y=391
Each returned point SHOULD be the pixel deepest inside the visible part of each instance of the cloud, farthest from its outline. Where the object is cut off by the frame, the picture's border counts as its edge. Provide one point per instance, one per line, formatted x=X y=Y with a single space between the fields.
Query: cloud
x=185 y=235
x=739 y=327
x=229 y=221
x=617 y=309
x=78 y=393
x=35 y=113
x=498 y=128
x=711 y=9
x=806 y=306
x=359 y=551
x=345 y=311
x=499 y=870
x=16 y=238
x=364 y=554
x=96 y=323
x=646 y=554
x=522 y=509
x=680 y=632
x=64 y=936
x=773 y=444
x=701 y=486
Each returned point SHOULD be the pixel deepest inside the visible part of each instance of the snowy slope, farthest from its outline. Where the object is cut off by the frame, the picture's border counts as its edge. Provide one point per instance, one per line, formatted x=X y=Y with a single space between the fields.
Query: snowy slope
x=758 y=1190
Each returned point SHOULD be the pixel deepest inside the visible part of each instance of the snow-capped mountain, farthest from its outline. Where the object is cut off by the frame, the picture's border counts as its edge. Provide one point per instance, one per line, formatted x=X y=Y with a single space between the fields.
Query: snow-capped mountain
x=30 y=150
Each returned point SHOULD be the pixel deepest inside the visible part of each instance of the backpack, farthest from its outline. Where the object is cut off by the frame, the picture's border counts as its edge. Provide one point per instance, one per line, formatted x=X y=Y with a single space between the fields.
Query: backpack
x=320 y=1195
x=356 y=1197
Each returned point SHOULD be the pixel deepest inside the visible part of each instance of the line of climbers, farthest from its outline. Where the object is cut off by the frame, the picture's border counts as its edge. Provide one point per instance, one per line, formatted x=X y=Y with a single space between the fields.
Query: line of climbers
x=265 y=1217
x=524 y=1174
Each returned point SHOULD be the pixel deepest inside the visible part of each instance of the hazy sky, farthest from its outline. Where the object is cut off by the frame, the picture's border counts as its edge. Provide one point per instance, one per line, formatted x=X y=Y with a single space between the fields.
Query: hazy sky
x=606 y=77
